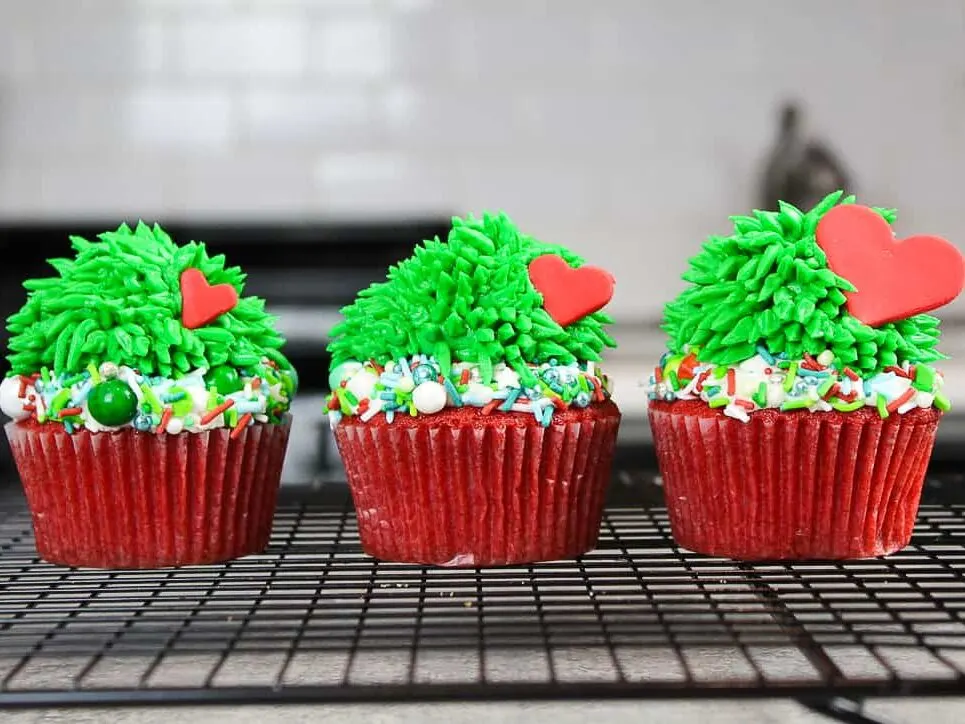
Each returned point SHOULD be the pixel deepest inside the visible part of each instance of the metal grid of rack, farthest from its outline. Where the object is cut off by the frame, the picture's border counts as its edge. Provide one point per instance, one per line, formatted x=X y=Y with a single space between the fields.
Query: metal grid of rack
x=314 y=619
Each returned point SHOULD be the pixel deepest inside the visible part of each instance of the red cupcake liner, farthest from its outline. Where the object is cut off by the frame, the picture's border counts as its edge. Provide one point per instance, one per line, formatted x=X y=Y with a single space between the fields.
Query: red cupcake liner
x=131 y=499
x=465 y=489
x=791 y=485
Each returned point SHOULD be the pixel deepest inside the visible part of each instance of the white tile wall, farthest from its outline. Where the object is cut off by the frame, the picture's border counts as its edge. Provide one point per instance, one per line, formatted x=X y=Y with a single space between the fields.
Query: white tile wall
x=628 y=129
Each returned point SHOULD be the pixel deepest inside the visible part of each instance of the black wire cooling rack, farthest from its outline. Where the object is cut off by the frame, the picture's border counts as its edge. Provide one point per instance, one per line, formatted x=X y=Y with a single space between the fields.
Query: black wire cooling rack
x=314 y=619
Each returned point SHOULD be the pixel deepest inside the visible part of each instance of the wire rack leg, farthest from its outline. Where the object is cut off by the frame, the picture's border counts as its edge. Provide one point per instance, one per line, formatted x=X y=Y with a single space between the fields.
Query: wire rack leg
x=842 y=709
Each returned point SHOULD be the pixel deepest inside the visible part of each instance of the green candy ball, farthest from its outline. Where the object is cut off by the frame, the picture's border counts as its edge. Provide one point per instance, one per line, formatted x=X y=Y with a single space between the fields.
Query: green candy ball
x=225 y=380
x=112 y=403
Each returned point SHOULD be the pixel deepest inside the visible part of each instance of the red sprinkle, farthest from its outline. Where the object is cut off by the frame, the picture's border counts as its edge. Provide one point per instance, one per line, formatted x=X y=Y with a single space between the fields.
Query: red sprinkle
x=363 y=405
x=898 y=402
x=30 y=407
x=377 y=366
x=256 y=383
x=24 y=381
x=464 y=377
x=658 y=374
x=832 y=391
x=211 y=414
x=333 y=403
x=69 y=411
x=810 y=363
x=490 y=407
x=851 y=374
x=701 y=379
x=746 y=404
x=731 y=382
x=165 y=419
x=850 y=397
x=897 y=370
x=559 y=404
x=343 y=383
x=242 y=424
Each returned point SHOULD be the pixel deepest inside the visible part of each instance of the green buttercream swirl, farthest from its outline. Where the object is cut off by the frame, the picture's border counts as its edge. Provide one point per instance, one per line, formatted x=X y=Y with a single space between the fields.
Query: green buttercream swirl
x=469 y=299
x=768 y=283
x=119 y=300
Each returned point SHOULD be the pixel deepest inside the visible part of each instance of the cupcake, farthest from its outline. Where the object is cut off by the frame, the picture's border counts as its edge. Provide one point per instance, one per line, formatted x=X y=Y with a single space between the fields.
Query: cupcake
x=795 y=410
x=474 y=423
x=149 y=404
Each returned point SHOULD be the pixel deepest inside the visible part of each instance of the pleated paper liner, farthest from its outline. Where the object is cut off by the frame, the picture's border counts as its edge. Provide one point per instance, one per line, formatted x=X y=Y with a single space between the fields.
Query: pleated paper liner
x=791 y=485
x=460 y=488
x=131 y=499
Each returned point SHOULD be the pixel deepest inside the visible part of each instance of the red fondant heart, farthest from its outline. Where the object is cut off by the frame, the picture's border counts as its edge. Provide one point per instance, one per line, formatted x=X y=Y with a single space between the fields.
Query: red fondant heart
x=569 y=294
x=895 y=279
x=201 y=302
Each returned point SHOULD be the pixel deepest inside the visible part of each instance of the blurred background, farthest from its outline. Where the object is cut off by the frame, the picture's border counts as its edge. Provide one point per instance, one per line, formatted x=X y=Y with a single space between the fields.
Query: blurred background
x=315 y=141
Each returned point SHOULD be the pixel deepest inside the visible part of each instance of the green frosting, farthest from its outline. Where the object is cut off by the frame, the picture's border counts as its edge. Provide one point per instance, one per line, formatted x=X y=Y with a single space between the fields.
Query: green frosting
x=120 y=301
x=469 y=299
x=769 y=284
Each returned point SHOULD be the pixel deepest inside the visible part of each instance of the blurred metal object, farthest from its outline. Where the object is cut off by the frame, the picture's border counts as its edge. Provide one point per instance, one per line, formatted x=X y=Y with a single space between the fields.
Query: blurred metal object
x=800 y=171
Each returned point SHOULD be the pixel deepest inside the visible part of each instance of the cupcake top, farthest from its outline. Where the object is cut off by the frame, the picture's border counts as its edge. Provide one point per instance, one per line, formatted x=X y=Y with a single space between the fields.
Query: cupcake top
x=136 y=331
x=491 y=318
x=819 y=311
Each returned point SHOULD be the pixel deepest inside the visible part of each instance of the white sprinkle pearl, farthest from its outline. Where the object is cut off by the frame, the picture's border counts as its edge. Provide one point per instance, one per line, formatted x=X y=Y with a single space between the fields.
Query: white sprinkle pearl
x=10 y=402
x=825 y=358
x=429 y=397
x=175 y=425
x=406 y=384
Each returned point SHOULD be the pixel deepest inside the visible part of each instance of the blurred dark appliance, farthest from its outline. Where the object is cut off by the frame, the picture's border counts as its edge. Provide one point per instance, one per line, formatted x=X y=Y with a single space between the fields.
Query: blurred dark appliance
x=800 y=170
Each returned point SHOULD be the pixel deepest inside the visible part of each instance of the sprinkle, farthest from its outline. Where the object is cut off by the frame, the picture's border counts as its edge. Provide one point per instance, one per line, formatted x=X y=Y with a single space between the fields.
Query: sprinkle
x=464 y=377
x=454 y=395
x=404 y=364
x=510 y=399
x=672 y=379
x=165 y=419
x=848 y=397
x=897 y=370
x=173 y=396
x=547 y=416
x=731 y=381
x=343 y=404
x=242 y=424
x=784 y=364
x=333 y=403
x=413 y=410
x=363 y=405
x=882 y=405
x=808 y=372
x=760 y=396
x=924 y=378
x=584 y=385
x=810 y=363
x=70 y=411
x=746 y=404
x=847 y=406
x=375 y=365
x=69 y=427
x=898 y=402
x=390 y=416
x=45 y=375
x=23 y=387
x=765 y=354
x=334 y=418
x=701 y=379
x=799 y=404
x=791 y=377
x=71 y=381
x=489 y=408
x=657 y=373
x=211 y=414
x=942 y=402
x=719 y=402
x=151 y=398
x=825 y=387
x=371 y=411
x=712 y=391
x=851 y=374
x=720 y=371
x=94 y=372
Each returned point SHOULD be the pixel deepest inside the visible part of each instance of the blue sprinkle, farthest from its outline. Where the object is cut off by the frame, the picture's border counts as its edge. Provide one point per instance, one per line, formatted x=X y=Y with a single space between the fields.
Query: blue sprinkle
x=547 y=415
x=404 y=364
x=389 y=416
x=650 y=396
x=68 y=426
x=387 y=396
x=172 y=396
x=510 y=400
x=811 y=373
x=867 y=388
x=453 y=392
x=765 y=354
x=537 y=411
x=244 y=406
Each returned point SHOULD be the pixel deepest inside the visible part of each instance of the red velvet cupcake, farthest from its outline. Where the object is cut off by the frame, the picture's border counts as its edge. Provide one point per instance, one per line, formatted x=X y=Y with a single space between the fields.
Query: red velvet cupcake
x=473 y=422
x=149 y=405
x=796 y=410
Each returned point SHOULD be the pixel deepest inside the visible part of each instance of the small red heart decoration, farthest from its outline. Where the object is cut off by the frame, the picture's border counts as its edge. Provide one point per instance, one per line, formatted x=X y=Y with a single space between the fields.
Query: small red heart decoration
x=894 y=278
x=201 y=302
x=570 y=294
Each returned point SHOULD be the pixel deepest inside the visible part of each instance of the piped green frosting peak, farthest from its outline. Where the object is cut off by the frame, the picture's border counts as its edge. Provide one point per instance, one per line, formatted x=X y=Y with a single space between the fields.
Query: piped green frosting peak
x=119 y=300
x=468 y=299
x=768 y=283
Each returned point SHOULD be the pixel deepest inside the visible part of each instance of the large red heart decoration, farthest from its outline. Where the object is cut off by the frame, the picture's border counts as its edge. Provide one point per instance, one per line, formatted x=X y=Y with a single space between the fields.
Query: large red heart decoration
x=570 y=294
x=894 y=278
x=201 y=302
